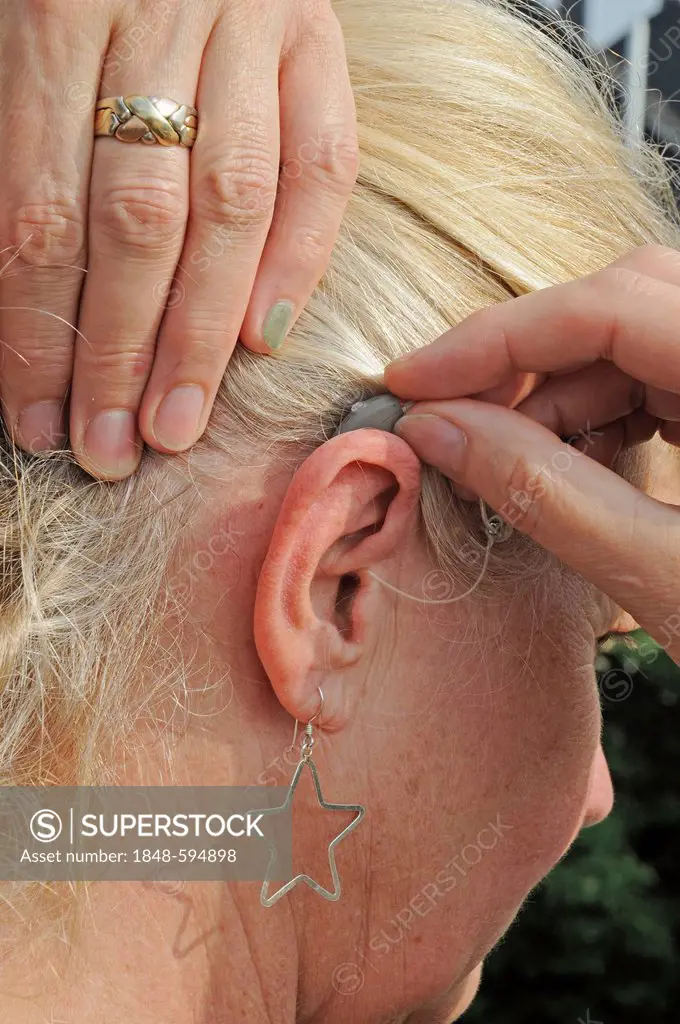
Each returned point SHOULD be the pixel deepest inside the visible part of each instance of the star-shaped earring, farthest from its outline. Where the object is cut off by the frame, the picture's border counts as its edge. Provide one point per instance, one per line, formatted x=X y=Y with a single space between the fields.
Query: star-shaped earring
x=359 y=810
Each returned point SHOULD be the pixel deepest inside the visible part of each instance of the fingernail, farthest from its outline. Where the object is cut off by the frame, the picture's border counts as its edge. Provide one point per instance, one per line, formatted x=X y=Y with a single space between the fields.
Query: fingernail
x=111 y=443
x=277 y=323
x=40 y=426
x=178 y=418
x=436 y=440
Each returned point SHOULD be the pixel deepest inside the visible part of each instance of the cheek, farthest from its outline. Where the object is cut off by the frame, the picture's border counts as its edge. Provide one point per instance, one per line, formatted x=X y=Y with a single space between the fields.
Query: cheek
x=500 y=724
x=545 y=759
x=535 y=782
x=531 y=725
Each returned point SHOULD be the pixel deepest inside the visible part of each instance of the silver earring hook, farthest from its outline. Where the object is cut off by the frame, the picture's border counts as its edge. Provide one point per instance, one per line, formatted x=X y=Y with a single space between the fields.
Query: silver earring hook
x=315 y=717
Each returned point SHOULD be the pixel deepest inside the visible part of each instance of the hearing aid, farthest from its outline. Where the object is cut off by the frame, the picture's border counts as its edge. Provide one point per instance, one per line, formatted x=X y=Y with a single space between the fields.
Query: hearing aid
x=382 y=412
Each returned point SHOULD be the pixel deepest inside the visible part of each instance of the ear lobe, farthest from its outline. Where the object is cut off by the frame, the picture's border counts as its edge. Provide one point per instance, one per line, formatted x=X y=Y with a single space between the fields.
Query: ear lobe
x=350 y=506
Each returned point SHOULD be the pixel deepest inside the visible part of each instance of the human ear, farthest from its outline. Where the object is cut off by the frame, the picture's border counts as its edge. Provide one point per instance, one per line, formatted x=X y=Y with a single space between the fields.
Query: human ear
x=351 y=505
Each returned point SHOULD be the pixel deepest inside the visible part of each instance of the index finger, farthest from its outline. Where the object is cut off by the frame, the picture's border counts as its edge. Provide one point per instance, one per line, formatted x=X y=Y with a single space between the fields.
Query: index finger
x=627 y=313
x=619 y=538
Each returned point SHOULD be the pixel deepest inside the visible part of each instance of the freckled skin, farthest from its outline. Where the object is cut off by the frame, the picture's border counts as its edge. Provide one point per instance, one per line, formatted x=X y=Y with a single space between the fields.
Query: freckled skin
x=470 y=731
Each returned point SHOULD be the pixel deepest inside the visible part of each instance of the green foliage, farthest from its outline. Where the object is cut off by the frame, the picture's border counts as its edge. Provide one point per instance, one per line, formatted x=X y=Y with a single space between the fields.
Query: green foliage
x=598 y=940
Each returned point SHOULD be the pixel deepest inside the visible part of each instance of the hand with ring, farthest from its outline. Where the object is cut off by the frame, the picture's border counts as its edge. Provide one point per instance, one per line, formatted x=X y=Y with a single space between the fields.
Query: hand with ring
x=128 y=272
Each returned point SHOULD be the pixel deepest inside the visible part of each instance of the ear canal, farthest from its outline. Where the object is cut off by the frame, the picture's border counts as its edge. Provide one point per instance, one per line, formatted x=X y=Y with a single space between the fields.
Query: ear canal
x=347 y=590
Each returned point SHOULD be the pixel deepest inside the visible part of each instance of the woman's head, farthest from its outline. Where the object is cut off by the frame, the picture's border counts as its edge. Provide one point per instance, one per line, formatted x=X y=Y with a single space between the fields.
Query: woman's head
x=187 y=616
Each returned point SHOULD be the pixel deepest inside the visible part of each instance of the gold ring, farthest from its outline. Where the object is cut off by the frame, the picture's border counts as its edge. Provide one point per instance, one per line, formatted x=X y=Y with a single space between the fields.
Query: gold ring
x=148 y=119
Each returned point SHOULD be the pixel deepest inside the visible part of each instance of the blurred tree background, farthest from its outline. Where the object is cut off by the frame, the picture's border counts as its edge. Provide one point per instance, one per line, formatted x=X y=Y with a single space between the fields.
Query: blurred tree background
x=598 y=940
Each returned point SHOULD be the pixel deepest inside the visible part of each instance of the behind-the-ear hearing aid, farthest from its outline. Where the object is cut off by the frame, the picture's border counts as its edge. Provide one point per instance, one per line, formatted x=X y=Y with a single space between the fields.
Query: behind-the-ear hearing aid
x=383 y=412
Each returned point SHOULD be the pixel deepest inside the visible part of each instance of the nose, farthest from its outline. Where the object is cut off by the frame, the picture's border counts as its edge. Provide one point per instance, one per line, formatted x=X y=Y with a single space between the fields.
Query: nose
x=600 y=791
x=624 y=623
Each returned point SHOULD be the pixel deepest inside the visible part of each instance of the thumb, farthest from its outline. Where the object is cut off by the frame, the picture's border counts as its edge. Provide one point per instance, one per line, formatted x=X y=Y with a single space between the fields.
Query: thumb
x=623 y=541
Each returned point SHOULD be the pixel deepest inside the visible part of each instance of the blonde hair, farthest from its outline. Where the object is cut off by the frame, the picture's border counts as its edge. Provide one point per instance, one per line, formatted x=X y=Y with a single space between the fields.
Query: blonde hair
x=491 y=165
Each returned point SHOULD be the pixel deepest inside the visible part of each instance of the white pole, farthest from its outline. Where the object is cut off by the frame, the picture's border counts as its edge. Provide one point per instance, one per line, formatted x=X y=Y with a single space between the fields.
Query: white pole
x=635 y=78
